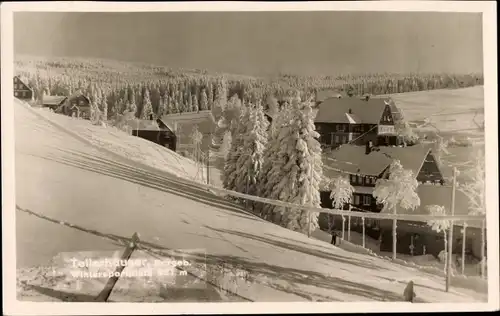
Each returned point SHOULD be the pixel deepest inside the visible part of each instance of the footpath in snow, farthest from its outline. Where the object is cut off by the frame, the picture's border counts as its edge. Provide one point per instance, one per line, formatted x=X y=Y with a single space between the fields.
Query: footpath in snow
x=74 y=197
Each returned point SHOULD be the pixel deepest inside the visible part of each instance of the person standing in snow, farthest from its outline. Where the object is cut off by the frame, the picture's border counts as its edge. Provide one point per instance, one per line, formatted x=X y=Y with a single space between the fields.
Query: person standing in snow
x=334 y=238
x=409 y=293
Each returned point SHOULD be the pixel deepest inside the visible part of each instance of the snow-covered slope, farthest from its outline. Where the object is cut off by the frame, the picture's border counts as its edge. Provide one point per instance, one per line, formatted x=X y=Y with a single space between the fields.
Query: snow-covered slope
x=65 y=179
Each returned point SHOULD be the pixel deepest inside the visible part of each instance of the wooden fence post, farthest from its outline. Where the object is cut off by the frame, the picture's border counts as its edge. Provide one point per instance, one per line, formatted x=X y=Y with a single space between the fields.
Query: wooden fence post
x=108 y=288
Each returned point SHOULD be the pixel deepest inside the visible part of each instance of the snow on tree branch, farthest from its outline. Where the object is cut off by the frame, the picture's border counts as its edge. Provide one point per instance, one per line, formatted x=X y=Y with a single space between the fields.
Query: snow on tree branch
x=475 y=189
x=441 y=224
x=398 y=190
x=341 y=191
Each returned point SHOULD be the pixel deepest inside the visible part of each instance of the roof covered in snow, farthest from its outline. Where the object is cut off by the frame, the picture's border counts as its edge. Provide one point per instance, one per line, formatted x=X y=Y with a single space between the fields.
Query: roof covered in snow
x=53 y=99
x=324 y=94
x=353 y=159
x=343 y=110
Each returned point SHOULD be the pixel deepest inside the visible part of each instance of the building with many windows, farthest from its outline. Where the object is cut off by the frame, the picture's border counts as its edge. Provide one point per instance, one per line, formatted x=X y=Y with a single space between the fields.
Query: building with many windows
x=22 y=90
x=357 y=120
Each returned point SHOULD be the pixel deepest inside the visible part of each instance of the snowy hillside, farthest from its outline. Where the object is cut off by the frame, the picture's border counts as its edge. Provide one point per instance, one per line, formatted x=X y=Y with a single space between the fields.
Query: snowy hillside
x=70 y=174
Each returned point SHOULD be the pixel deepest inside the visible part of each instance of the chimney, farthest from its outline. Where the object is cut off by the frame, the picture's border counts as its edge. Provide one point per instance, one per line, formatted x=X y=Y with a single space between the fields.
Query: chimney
x=367 y=97
x=368 y=147
x=350 y=111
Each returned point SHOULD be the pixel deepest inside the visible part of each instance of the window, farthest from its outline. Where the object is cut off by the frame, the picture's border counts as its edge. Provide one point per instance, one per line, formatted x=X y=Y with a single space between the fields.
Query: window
x=352 y=178
x=356 y=199
x=15 y=79
x=358 y=179
x=15 y=93
x=367 y=200
x=337 y=139
x=368 y=180
x=340 y=128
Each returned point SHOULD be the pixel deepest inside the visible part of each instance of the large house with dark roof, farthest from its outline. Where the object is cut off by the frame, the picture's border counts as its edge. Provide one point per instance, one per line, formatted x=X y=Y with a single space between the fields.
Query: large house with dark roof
x=76 y=105
x=357 y=120
x=366 y=164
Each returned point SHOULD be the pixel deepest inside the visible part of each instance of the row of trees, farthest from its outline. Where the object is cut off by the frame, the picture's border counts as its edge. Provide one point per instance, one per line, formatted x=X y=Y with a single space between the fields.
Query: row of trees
x=282 y=162
x=192 y=90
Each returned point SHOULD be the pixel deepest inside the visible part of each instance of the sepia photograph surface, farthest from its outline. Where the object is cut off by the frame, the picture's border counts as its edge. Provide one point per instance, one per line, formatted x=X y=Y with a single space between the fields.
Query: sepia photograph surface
x=267 y=154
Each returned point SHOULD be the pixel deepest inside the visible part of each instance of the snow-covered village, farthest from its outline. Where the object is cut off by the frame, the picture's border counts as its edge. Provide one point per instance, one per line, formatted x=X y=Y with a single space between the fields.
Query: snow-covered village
x=279 y=175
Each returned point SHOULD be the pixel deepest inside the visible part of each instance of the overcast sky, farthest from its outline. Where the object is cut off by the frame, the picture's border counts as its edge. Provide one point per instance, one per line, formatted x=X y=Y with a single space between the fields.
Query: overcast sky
x=259 y=43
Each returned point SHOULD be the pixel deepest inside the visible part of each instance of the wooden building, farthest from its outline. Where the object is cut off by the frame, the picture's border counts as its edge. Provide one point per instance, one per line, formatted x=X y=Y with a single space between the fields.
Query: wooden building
x=364 y=165
x=53 y=102
x=155 y=131
x=183 y=125
x=76 y=105
x=356 y=120
x=22 y=90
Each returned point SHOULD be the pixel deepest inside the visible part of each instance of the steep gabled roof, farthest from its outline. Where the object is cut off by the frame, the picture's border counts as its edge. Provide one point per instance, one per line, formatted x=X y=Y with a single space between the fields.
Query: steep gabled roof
x=352 y=159
x=334 y=110
x=24 y=80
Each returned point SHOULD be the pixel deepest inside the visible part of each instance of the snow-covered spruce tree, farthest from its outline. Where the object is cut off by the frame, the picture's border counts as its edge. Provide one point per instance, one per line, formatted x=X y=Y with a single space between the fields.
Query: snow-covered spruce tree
x=132 y=105
x=280 y=122
x=203 y=100
x=147 y=107
x=189 y=100
x=397 y=191
x=104 y=107
x=210 y=96
x=341 y=192
x=230 y=172
x=196 y=140
x=475 y=190
x=161 y=107
x=226 y=144
x=220 y=99
x=194 y=104
x=440 y=225
x=249 y=163
x=301 y=169
x=95 y=113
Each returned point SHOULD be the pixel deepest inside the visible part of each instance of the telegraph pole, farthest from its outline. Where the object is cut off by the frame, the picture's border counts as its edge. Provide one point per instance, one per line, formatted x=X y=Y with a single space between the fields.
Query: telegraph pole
x=450 y=235
x=208 y=163
x=309 y=228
